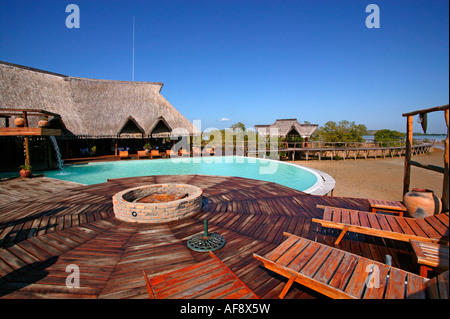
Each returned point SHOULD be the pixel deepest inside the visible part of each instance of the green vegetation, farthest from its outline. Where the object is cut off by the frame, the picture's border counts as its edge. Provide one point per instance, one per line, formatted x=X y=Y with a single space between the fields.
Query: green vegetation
x=385 y=136
x=344 y=131
x=239 y=126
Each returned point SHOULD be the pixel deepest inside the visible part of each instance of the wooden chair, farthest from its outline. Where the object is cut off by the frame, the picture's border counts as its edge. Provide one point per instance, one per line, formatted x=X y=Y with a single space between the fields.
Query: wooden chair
x=124 y=155
x=210 y=279
x=342 y=275
x=142 y=154
x=155 y=153
x=431 y=229
x=430 y=256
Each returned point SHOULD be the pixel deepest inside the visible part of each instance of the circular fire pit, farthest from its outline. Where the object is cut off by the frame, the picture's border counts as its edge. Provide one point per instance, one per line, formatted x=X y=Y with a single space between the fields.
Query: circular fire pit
x=158 y=203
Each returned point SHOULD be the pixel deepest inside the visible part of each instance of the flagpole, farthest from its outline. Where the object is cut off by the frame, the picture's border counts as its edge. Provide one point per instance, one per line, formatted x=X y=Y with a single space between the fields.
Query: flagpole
x=132 y=72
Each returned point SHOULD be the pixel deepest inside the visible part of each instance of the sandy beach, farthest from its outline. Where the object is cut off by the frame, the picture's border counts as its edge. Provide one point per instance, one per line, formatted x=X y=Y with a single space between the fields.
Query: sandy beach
x=380 y=178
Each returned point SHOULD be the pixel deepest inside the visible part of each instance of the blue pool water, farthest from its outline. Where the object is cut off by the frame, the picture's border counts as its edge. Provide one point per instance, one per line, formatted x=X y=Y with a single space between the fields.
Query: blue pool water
x=290 y=175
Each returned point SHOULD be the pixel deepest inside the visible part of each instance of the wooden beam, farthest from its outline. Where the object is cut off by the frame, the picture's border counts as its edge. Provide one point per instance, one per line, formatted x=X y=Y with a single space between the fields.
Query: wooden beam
x=409 y=140
x=429 y=167
x=33 y=111
x=433 y=109
x=25 y=118
x=28 y=131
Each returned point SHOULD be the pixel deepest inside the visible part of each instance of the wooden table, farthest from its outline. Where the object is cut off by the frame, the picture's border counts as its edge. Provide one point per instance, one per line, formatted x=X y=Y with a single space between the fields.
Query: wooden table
x=394 y=207
x=430 y=256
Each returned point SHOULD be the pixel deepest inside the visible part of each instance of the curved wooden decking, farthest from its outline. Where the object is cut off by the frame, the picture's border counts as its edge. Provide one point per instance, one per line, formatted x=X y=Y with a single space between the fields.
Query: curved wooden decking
x=41 y=235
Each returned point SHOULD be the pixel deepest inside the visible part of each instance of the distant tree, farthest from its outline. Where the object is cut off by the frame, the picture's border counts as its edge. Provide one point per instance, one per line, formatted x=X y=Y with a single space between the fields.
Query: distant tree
x=239 y=126
x=384 y=136
x=344 y=131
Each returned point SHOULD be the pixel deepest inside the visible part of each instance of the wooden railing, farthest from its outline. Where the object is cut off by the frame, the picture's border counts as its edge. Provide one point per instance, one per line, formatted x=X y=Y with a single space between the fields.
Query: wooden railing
x=409 y=151
x=319 y=150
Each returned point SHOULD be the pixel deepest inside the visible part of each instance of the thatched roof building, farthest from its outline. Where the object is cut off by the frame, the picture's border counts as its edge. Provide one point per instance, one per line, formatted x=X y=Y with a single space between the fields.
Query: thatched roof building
x=287 y=128
x=93 y=108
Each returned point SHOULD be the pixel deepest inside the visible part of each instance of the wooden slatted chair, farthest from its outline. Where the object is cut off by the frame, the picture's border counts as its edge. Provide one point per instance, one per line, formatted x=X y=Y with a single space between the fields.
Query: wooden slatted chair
x=124 y=155
x=342 y=275
x=142 y=154
x=210 y=279
x=155 y=153
x=431 y=229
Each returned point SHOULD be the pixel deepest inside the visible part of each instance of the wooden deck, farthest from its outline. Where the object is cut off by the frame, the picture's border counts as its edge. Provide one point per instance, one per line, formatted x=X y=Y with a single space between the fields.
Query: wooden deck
x=209 y=279
x=43 y=234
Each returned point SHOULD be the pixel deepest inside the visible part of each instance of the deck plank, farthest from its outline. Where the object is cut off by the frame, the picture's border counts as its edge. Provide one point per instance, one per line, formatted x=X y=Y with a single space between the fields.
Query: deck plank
x=75 y=224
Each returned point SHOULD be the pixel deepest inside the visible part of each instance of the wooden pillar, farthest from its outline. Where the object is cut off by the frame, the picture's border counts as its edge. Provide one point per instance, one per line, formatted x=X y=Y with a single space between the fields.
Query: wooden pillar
x=445 y=188
x=26 y=140
x=409 y=139
x=26 y=143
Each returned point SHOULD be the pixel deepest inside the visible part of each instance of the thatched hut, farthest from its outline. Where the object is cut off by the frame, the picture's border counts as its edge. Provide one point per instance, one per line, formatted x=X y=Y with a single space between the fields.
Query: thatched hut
x=288 y=129
x=101 y=113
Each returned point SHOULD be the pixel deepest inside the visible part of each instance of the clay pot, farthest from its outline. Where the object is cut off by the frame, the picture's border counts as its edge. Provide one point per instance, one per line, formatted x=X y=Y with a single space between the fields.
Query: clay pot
x=25 y=173
x=422 y=202
x=19 y=122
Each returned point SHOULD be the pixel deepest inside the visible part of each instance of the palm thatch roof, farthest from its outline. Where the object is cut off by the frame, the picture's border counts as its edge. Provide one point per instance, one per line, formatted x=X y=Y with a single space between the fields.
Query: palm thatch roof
x=89 y=107
x=288 y=127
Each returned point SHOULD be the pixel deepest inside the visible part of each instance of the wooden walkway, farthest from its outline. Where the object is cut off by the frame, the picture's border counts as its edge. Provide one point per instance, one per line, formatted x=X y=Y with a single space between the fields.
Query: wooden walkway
x=346 y=152
x=42 y=235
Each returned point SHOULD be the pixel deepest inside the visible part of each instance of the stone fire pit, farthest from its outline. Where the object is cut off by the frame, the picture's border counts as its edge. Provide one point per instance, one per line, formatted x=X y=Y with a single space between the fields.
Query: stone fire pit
x=157 y=203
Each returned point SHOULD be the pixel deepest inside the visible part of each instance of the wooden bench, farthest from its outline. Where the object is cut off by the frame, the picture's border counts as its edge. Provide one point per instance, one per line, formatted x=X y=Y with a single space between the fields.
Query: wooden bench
x=339 y=274
x=431 y=229
x=430 y=256
x=394 y=207
x=210 y=279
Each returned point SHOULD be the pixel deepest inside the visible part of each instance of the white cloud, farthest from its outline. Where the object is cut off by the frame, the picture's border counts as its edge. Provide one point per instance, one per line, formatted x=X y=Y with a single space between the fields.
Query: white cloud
x=224 y=119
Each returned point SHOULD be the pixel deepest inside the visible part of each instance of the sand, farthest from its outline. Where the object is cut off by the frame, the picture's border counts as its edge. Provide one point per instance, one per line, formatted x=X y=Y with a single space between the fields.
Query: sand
x=380 y=178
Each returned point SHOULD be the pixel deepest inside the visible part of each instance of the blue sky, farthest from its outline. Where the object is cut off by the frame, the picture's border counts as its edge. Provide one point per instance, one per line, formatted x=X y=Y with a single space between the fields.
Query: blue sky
x=250 y=61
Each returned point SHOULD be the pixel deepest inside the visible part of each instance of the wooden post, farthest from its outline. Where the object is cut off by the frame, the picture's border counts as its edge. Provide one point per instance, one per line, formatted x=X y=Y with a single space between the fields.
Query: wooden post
x=27 y=151
x=445 y=188
x=26 y=140
x=409 y=139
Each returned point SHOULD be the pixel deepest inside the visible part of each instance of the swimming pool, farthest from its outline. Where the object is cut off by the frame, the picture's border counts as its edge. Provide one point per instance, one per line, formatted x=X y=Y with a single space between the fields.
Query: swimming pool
x=290 y=175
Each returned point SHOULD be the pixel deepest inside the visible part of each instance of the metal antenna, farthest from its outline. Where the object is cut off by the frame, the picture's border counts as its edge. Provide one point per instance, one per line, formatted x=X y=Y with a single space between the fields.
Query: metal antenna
x=132 y=71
